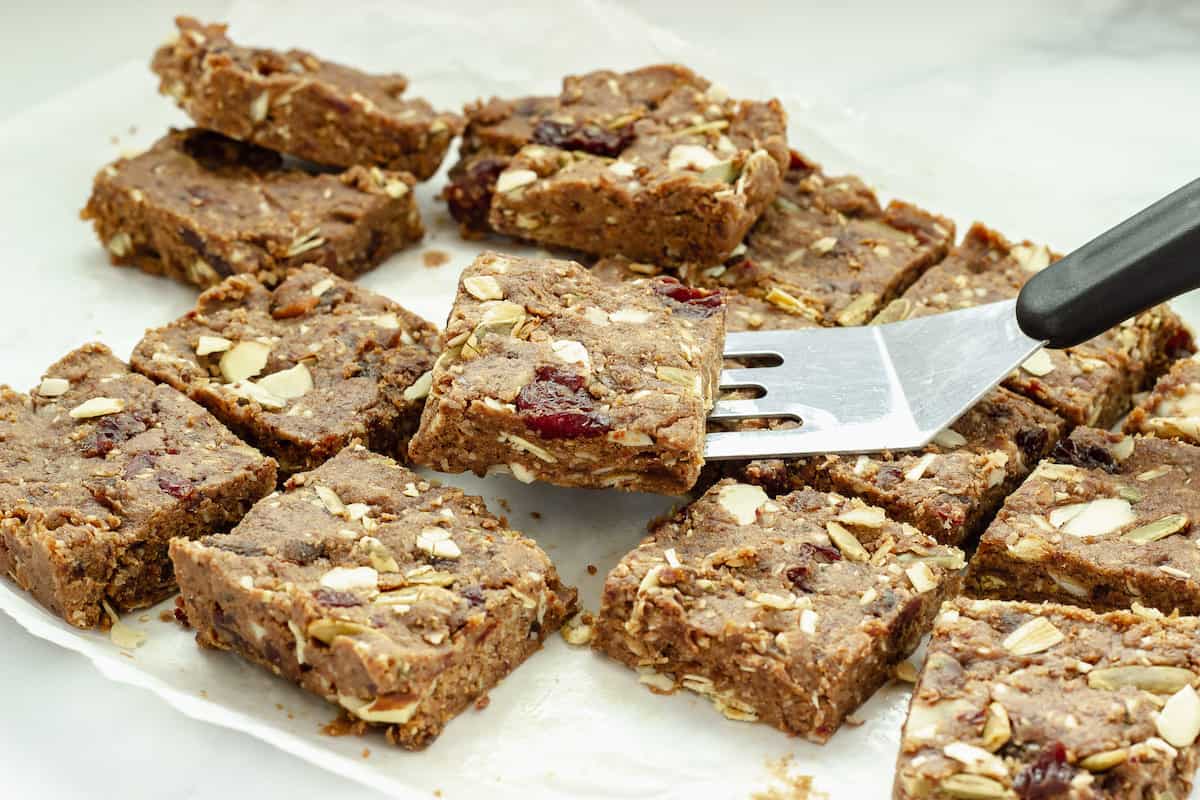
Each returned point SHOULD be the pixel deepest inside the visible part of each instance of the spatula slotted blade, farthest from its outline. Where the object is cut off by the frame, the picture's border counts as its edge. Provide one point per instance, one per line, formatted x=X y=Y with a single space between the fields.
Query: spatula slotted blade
x=856 y=390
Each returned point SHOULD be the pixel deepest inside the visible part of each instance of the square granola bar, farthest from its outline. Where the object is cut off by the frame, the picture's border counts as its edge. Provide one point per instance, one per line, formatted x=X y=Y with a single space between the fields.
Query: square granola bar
x=1172 y=409
x=1019 y=701
x=99 y=468
x=1108 y=521
x=656 y=164
x=790 y=611
x=825 y=249
x=200 y=207
x=300 y=370
x=296 y=103
x=554 y=375
x=402 y=601
x=1091 y=384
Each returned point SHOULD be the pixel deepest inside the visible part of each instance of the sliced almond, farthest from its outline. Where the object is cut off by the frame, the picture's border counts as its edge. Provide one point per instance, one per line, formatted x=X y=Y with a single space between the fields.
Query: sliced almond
x=863 y=516
x=686 y=378
x=53 y=387
x=1106 y=760
x=97 y=407
x=206 y=345
x=997 y=729
x=742 y=501
x=419 y=389
x=1179 y=720
x=691 y=156
x=1031 y=257
x=1038 y=364
x=949 y=439
x=633 y=316
x=571 y=352
x=483 y=287
x=977 y=760
x=1153 y=679
x=252 y=391
x=917 y=471
x=348 y=579
x=847 y=542
x=244 y=360
x=326 y=630
x=922 y=577
x=329 y=498
x=514 y=179
x=1035 y=636
x=1093 y=518
x=437 y=543
x=288 y=383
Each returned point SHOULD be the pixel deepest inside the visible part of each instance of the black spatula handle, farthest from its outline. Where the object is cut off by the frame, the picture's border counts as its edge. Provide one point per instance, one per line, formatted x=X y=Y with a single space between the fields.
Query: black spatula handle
x=1147 y=259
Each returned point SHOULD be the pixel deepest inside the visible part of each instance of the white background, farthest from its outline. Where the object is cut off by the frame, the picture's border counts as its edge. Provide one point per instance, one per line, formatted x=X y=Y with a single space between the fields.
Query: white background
x=1059 y=118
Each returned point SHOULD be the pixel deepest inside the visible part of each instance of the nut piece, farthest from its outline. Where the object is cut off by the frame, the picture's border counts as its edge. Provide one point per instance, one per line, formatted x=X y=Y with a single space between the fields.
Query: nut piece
x=1034 y=636
x=742 y=501
x=1038 y=364
x=571 y=352
x=1107 y=759
x=977 y=760
x=1158 y=680
x=54 y=387
x=212 y=344
x=864 y=516
x=1159 y=529
x=244 y=360
x=922 y=577
x=974 y=787
x=1031 y=257
x=847 y=542
x=382 y=709
x=437 y=543
x=1179 y=720
x=329 y=498
x=949 y=438
x=483 y=287
x=326 y=630
x=97 y=407
x=288 y=384
x=514 y=179
x=691 y=156
x=997 y=729
x=419 y=389
x=681 y=377
x=347 y=579
x=1094 y=518
x=578 y=630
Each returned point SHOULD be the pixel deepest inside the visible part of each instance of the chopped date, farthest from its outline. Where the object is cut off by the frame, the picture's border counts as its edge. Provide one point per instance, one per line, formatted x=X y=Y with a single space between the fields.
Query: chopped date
x=469 y=194
x=302 y=552
x=556 y=406
x=174 y=485
x=587 y=137
x=800 y=575
x=689 y=300
x=336 y=599
x=1032 y=442
x=111 y=431
x=1086 y=456
x=1049 y=776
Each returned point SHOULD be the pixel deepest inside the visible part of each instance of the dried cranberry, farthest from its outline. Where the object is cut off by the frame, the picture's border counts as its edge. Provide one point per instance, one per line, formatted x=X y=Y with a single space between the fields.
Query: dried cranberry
x=474 y=595
x=556 y=406
x=110 y=431
x=181 y=613
x=177 y=487
x=690 y=300
x=1048 y=776
x=1180 y=345
x=820 y=553
x=801 y=574
x=216 y=151
x=141 y=461
x=796 y=161
x=1086 y=456
x=336 y=599
x=589 y=138
x=469 y=194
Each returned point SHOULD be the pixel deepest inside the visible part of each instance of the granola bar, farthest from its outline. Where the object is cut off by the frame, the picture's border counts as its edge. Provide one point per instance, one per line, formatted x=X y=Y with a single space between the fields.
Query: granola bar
x=401 y=601
x=1091 y=384
x=200 y=207
x=99 y=468
x=556 y=376
x=1172 y=410
x=825 y=249
x=1023 y=701
x=300 y=370
x=296 y=103
x=789 y=611
x=656 y=164
x=1106 y=522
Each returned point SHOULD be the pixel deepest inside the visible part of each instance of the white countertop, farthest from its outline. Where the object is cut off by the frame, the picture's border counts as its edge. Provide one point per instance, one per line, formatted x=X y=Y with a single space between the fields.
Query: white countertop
x=1047 y=104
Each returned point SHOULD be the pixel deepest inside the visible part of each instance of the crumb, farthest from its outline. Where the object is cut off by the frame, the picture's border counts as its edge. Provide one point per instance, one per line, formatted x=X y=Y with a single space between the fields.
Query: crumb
x=166 y=616
x=854 y=722
x=343 y=725
x=535 y=514
x=785 y=786
x=435 y=258
x=366 y=753
x=483 y=702
x=591 y=568
x=114 y=140
x=291 y=715
x=279 y=706
x=204 y=693
x=437 y=792
x=504 y=504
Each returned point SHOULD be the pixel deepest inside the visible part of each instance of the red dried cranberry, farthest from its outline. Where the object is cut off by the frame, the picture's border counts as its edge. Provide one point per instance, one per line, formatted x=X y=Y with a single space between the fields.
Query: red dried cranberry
x=556 y=406
x=587 y=137
x=110 y=431
x=1086 y=456
x=690 y=300
x=1047 y=777
x=796 y=161
x=177 y=487
x=801 y=574
x=336 y=599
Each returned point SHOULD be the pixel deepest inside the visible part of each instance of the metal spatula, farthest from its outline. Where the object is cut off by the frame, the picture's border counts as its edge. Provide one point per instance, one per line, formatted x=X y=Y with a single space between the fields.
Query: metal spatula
x=895 y=386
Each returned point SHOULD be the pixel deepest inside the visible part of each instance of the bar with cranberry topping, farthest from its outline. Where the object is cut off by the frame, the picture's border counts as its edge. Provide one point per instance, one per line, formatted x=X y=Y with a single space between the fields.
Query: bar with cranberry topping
x=1172 y=410
x=656 y=164
x=296 y=103
x=300 y=370
x=1091 y=384
x=1019 y=701
x=199 y=207
x=400 y=600
x=99 y=469
x=556 y=376
x=950 y=489
x=1106 y=522
x=789 y=611
x=825 y=249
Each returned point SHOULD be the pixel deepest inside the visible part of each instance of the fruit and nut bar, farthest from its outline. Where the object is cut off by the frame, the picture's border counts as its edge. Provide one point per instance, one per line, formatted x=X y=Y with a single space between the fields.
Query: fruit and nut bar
x=300 y=370
x=825 y=249
x=789 y=611
x=99 y=468
x=1172 y=410
x=400 y=600
x=555 y=375
x=656 y=164
x=199 y=207
x=1091 y=384
x=1020 y=701
x=296 y=103
x=1106 y=522
x=950 y=489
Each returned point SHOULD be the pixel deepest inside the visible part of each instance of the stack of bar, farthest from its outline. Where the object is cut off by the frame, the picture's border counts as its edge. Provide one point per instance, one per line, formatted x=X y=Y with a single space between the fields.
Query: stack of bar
x=99 y=469
x=222 y=199
x=656 y=164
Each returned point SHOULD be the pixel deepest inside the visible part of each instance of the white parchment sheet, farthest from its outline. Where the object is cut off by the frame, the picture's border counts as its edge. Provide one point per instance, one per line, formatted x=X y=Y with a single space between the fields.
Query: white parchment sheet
x=568 y=723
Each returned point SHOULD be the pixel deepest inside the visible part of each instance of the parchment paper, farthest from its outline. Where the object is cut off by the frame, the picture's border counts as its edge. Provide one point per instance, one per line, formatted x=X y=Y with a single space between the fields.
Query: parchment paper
x=568 y=723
